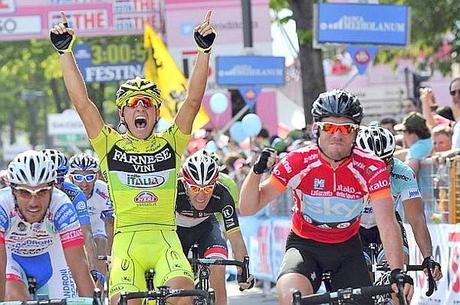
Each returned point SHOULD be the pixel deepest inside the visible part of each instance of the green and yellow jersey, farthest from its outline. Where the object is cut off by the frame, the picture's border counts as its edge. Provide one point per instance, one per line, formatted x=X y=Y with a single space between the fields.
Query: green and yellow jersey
x=142 y=176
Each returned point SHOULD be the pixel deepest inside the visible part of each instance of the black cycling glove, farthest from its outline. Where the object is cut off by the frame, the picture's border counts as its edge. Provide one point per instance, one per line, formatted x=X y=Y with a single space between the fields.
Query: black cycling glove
x=261 y=165
x=62 y=42
x=397 y=276
x=430 y=263
x=205 y=43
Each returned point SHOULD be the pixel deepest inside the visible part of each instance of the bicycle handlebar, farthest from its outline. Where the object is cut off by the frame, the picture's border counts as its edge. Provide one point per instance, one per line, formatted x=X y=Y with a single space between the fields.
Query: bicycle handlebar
x=244 y=265
x=431 y=282
x=163 y=293
x=340 y=295
x=95 y=300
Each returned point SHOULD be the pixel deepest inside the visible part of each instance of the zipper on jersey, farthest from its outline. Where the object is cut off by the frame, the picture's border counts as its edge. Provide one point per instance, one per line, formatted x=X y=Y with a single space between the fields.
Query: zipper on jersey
x=335 y=180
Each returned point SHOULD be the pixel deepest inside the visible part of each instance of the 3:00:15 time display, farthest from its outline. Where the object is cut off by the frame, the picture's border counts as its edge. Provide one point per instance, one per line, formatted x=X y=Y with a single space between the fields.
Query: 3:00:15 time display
x=117 y=53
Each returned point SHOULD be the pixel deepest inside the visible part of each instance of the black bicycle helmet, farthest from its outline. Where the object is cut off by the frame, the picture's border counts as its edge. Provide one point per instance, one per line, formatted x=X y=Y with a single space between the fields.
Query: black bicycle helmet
x=338 y=103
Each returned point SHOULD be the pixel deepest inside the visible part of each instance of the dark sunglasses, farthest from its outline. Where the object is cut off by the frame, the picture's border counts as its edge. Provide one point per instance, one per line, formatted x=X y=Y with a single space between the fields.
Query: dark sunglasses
x=332 y=128
x=454 y=92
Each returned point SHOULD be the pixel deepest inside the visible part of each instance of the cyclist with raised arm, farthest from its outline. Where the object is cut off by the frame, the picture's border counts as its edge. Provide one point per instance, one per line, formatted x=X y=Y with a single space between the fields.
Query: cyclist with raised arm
x=83 y=169
x=40 y=233
x=141 y=167
x=201 y=195
x=78 y=199
x=329 y=181
x=405 y=191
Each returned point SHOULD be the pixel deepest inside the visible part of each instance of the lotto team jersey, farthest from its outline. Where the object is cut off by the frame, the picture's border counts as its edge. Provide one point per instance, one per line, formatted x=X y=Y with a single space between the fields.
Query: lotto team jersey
x=141 y=176
x=328 y=202
x=403 y=187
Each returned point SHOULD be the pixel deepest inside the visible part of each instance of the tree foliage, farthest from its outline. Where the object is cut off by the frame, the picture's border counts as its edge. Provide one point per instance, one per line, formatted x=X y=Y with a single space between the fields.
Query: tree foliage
x=27 y=66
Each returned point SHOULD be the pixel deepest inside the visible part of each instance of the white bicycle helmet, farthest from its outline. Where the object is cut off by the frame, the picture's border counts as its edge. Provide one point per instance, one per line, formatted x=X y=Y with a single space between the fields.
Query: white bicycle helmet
x=83 y=162
x=31 y=168
x=200 y=169
x=59 y=159
x=378 y=140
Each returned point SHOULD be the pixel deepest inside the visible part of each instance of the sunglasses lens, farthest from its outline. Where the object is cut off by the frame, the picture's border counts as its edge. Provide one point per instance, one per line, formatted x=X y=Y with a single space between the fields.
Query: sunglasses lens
x=78 y=178
x=24 y=194
x=343 y=128
x=454 y=92
x=208 y=189
x=139 y=101
x=90 y=177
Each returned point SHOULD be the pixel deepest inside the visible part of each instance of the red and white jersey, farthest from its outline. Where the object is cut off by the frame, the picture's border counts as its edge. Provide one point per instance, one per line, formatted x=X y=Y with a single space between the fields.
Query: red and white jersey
x=329 y=202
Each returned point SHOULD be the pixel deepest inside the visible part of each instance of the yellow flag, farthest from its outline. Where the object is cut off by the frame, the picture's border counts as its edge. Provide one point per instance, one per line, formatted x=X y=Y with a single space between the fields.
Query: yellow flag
x=160 y=67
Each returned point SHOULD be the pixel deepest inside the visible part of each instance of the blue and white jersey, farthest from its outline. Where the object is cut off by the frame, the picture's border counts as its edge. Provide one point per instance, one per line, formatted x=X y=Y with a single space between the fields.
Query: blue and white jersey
x=403 y=187
x=78 y=199
x=99 y=207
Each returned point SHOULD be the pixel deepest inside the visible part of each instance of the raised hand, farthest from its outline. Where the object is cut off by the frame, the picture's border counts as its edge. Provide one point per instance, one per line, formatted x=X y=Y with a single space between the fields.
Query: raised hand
x=205 y=34
x=62 y=37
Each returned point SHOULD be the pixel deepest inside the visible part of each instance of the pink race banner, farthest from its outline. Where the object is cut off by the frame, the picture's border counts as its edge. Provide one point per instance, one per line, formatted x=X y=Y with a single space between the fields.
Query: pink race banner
x=26 y=19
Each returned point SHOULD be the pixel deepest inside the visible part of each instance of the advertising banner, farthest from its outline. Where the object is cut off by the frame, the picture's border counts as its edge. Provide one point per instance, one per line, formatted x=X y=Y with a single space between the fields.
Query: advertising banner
x=113 y=62
x=355 y=23
x=250 y=70
x=27 y=19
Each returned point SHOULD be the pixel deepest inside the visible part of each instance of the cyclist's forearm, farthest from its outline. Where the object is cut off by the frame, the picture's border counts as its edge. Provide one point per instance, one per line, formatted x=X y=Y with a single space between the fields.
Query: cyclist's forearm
x=250 y=194
x=76 y=260
x=90 y=247
x=422 y=237
x=198 y=80
x=390 y=235
x=238 y=245
x=73 y=80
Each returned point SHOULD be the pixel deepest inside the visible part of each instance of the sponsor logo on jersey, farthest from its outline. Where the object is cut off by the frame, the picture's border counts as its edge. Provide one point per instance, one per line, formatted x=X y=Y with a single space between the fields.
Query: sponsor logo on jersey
x=381 y=184
x=401 y=177
x=346 y=188
x=22 y=226
x=287 y=166
x=359 y=165
x=318 y=184
x=329 y=208
x=124 y=264
x=81 y=205
x=146 y=198
x=144 y=180
x=228 y=211
x=371 y=169
x=103 y=194
x=310 y=158
x=343 y=225
x=68 y=286
x=413 y=194
x=119 y=160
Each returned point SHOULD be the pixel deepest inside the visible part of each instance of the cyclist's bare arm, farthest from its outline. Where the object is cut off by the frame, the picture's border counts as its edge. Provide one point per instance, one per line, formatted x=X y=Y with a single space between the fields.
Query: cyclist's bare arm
x=108 y=221
x=2 y=271
x=253 y=197
x=390 y=233
x=415 y=215
x=78 y=264
x=90 y=246
x=196 y=86
x=238 y=245
x=76 y=87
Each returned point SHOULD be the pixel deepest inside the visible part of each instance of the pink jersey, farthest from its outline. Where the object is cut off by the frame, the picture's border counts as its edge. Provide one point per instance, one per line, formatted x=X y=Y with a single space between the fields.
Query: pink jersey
x=328 y=202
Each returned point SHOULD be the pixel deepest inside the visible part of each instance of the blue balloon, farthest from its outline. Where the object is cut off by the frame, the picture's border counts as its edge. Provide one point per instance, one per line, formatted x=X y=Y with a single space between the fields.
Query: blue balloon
x=252 y=124
x=211 y=146
x=237 y=132
x=218 y=103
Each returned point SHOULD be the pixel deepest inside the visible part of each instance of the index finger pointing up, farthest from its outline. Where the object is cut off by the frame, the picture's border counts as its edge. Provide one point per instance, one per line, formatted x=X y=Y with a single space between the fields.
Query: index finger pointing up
x=208 y=16
x=63 y=17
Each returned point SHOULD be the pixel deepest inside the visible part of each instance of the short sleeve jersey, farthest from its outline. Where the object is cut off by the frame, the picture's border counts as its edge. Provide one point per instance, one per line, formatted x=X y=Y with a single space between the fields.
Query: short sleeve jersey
x=403 y=187
x=141 y=176
x=25 y=239
x=78 y=199
x=221 y=202
x=328 y=202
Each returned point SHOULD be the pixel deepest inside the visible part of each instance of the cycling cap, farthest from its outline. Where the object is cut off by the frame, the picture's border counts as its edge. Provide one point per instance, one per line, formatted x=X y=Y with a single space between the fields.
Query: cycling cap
x=60 y=161
x=338 y=103
x=83 y=162
x=138 y=87
x=200 y=169
x=31 y=168
x=378 y=140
